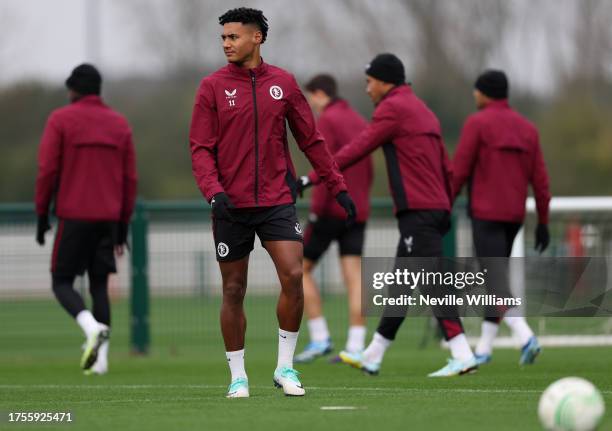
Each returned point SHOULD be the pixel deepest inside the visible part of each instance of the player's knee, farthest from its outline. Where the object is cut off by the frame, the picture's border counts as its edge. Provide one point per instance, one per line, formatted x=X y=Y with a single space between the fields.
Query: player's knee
x=233 y=292
x=60 y=284
x=293 y=276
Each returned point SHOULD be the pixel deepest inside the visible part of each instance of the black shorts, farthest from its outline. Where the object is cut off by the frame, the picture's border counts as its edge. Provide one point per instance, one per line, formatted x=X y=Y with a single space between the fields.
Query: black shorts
x=84 y=246
x=235 y=239
x=321 y=231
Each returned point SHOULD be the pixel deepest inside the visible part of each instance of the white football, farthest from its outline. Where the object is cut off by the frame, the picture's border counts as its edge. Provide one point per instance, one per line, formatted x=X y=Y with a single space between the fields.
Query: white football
x=571 y=404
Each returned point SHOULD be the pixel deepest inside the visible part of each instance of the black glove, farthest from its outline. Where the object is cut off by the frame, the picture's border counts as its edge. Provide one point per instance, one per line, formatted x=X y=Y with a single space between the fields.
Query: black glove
x=542 y=238
x=41 y=228
x=303 y=183
x=122 y=233
x=220 y=204
x=345 y=201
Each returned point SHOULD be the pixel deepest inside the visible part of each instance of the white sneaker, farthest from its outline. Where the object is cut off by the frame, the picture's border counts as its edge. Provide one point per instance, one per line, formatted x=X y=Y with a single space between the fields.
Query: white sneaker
x=92 y=346
x=239 y=388
x=287 y=378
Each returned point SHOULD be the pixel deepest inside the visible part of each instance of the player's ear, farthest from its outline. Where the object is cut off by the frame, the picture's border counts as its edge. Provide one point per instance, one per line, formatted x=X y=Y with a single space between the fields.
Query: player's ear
x=258 y=36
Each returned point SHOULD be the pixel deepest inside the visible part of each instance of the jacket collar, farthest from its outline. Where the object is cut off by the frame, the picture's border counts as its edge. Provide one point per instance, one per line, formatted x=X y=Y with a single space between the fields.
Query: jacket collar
x=258 y=71
x=334 y=102
x=497 y=104
x=402 y=88
x=90 y=99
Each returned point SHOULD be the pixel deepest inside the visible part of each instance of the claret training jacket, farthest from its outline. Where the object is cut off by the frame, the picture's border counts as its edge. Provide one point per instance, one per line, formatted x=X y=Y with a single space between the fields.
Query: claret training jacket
x=239 y=142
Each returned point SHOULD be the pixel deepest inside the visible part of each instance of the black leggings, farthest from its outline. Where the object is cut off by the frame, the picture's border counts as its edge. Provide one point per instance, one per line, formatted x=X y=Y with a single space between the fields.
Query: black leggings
x=73 y=302
x=493 y=239
x=421 y=235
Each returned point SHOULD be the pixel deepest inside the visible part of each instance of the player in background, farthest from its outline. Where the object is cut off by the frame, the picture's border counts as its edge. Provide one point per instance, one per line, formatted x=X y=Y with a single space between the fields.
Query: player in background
x=499 y=155
x=419 y=181
x=338 y=123
x=86 y=164
x=242 y=165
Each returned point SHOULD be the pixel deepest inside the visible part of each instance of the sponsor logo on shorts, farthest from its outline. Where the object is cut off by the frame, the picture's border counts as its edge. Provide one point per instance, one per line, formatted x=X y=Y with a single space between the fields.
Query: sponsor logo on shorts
x=409 y=243
x=298 y=229
x=222 y=249
x=276 y=92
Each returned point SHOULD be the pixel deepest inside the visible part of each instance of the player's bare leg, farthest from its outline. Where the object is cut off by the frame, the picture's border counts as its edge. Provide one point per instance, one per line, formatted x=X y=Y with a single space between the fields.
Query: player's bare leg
x=233 y=323
x=233 y=319
x=312 y=298
x=320 y=340
x=287 y=257
x=351 y=272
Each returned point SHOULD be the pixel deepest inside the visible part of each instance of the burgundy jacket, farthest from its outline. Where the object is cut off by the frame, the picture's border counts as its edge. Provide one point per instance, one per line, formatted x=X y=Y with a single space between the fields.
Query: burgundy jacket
x=417 y=161
x=238 y=137
x=86 y=161
x=340 y=124
x=499 y=155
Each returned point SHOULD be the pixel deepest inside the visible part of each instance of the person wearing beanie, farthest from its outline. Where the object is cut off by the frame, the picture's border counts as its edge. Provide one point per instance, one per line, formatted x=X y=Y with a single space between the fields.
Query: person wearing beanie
x=420 y=183
x=86 y=165
x=500 y=154
x=84 y=80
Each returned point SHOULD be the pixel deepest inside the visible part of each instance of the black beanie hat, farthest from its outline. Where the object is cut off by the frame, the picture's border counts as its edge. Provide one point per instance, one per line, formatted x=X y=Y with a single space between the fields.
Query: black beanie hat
x=388 y=68
x=493 y=83
x=85 y=79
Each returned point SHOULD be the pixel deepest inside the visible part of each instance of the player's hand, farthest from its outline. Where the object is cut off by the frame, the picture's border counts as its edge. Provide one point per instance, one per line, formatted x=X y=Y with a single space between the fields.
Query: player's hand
x=221 y=205
x=122 y=238
x=345 y=201
x=41 y=228
x=542 y=238
x=303 y=183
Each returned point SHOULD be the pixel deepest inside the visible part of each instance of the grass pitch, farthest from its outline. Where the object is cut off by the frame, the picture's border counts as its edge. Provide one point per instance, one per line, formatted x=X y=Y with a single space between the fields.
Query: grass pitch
x=182 y=383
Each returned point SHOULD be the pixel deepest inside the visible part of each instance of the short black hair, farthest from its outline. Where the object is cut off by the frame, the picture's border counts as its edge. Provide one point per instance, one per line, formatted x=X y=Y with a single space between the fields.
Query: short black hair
x=324 y=82
x=246 y=15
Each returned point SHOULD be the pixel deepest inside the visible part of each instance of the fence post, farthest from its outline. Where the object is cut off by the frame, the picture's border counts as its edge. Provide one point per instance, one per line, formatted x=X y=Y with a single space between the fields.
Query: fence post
x=139 y=301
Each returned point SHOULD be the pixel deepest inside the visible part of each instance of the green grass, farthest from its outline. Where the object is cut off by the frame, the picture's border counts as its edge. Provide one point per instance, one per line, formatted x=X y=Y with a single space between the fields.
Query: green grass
x=181 y=384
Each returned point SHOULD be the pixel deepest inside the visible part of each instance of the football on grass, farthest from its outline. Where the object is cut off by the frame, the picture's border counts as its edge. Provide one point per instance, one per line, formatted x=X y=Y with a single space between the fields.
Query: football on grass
x=571 y=404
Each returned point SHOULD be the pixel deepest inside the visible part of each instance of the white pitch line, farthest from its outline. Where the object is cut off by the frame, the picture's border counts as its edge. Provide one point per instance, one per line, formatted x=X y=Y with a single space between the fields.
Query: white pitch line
x=342 y=408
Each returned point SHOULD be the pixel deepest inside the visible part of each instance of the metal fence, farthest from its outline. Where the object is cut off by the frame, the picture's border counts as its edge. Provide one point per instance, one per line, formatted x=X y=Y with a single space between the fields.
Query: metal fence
x=173 y=256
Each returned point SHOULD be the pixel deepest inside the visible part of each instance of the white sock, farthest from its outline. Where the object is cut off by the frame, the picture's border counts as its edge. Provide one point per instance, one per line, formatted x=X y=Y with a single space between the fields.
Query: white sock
x=286 y=348
x=317 y=328
x=88 y=324
x=459 y=347
x=356 y=339
x=376 y=349
x=488 y=332
x=235 y=360
x=520 y=329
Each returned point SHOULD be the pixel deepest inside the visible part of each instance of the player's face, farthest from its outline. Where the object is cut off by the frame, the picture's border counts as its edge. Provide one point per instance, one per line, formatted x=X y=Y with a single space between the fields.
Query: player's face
x=376 y=89
x=240 y=41
x=480 y=99
x=317 y=100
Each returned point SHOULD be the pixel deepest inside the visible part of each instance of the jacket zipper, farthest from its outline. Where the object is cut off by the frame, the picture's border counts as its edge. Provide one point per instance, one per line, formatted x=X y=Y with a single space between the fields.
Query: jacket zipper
x=256 y=138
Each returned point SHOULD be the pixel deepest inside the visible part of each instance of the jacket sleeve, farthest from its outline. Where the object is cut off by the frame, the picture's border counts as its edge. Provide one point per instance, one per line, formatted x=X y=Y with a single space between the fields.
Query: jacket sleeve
x=130 y=180
x=49 y=165
x=332 y=143
x=203 y=141
x=378 y=132
x=302 y=125
x=539 y=182
x=465 y=155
